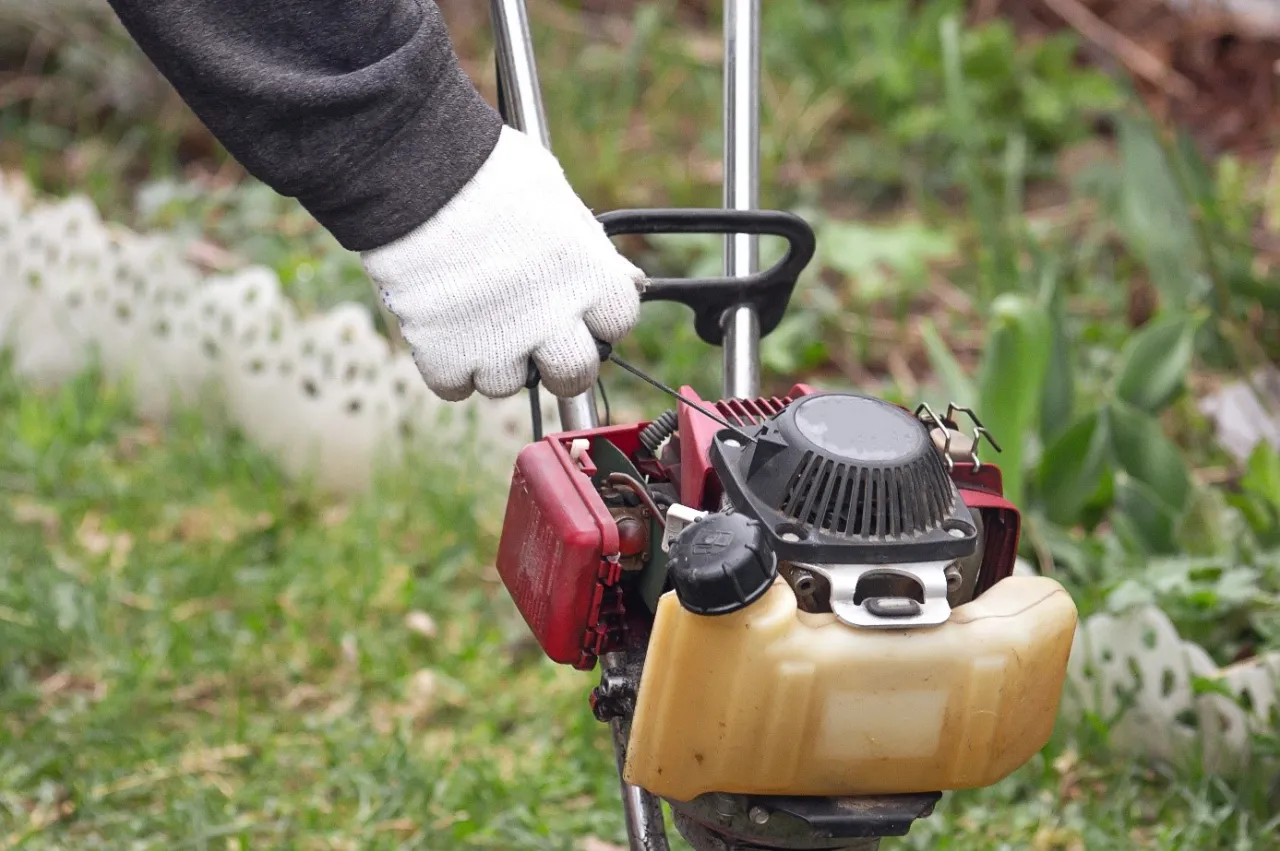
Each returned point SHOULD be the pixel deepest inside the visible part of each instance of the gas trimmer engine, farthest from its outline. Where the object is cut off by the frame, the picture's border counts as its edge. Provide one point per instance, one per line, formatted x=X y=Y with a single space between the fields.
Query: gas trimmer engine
x=851 y=497
x=805 y=611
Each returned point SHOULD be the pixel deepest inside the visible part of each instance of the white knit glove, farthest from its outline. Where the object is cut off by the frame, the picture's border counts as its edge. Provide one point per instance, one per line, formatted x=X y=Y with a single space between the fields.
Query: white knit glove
x=513 y=266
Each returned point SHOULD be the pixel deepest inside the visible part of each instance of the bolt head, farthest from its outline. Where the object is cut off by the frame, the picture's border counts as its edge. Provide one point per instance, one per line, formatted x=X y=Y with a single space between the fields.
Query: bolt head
x=633 y=537
x=954 y=577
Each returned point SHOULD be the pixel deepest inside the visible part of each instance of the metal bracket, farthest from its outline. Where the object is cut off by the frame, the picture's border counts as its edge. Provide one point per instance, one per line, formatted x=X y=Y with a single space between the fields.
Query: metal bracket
x=887 y=596
x=799 y=823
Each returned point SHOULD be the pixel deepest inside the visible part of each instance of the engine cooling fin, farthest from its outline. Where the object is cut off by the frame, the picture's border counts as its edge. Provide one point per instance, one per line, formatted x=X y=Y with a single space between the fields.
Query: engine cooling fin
x=840 y=475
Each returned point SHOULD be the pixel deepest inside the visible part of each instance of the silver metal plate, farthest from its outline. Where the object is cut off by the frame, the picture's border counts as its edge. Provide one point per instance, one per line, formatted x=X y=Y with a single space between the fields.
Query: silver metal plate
x=888 y=596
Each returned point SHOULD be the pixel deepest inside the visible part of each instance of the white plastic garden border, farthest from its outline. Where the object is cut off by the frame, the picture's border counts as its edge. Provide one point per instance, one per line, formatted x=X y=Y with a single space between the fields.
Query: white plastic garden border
x=326 y=393
x=328 y=396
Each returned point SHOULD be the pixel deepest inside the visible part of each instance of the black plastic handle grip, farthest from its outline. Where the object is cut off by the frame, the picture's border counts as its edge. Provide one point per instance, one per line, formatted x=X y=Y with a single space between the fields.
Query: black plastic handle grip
x=710 y=298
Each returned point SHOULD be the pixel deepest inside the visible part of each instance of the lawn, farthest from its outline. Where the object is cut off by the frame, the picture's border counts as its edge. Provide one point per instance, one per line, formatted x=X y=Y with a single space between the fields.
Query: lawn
x=198 y=652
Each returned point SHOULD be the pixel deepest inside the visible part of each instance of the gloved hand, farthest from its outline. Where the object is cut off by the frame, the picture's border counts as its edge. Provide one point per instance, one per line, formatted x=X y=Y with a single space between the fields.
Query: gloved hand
x=514 y=266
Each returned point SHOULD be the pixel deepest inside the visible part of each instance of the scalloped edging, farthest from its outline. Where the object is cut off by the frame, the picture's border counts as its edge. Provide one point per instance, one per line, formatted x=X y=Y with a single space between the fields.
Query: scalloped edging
x=329 y=397
x=1164 y=698
x=326 y=393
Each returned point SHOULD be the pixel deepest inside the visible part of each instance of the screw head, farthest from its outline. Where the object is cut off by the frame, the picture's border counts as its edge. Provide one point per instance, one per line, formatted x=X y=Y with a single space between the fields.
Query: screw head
x=759 y=815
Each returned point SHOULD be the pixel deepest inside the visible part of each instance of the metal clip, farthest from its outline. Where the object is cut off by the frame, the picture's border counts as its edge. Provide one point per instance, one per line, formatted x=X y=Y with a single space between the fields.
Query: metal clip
x=979 y=431
x=948 y=426
x=934 y=421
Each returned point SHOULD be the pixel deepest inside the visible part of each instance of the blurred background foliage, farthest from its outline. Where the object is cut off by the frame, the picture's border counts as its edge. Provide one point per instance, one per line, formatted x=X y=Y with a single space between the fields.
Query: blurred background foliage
x=1007 y=219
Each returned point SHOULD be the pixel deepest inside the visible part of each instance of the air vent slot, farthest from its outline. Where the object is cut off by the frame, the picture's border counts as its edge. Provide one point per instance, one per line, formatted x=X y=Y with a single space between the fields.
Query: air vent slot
x=843 y=478
x=849 y=499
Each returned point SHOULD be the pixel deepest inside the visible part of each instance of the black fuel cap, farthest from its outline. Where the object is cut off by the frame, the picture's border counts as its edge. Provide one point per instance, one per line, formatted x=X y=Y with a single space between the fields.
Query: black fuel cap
x=720 y=564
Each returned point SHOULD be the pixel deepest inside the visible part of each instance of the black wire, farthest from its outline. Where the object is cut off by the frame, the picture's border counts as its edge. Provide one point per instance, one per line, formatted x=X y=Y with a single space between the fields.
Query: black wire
x=676 y=395
x=535 y=413
x=535 y=402
x=606 y=353
x=502 y=101
x=604 y=397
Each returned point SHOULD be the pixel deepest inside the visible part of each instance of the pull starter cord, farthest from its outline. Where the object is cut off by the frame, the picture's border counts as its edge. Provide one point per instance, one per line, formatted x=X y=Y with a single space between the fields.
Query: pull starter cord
x=534 y=378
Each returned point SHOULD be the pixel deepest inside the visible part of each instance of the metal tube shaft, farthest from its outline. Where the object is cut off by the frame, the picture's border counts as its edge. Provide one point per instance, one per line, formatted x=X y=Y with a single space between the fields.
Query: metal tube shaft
x=641 y=810
x=741 y=187
x=522 y=101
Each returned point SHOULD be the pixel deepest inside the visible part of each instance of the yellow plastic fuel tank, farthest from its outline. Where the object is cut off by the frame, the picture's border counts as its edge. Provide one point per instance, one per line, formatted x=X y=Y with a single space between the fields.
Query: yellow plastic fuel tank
x=771 y=700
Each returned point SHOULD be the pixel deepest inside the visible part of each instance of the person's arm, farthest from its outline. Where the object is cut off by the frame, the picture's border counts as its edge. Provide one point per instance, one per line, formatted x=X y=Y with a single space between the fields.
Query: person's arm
x=473 y=237
x=358 y=108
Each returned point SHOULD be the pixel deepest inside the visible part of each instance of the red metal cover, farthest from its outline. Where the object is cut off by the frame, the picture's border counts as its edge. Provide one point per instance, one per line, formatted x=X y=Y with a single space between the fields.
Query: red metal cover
x=556 y=536
x=698 y=485
x=982 y=489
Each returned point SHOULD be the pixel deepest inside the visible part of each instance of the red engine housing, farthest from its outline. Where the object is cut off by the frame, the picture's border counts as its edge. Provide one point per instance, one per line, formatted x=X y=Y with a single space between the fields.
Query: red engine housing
x=559 y=553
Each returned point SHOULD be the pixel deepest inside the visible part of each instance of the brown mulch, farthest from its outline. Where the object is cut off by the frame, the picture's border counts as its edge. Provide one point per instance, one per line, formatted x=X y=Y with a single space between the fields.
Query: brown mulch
x=1212 y=74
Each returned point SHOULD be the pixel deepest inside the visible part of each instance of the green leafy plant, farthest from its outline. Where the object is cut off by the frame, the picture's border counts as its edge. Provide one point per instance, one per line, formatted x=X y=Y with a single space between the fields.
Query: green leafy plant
x=885 y=60
x=883 y=261
x=1259 y=496
x=1009 y=379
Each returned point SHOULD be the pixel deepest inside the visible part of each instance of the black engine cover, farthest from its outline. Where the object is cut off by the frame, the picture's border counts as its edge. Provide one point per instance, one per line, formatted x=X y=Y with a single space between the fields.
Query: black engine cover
x=839 y=478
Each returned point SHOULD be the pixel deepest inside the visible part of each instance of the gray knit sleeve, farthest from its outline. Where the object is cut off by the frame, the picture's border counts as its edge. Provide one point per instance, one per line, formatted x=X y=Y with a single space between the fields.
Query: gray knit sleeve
x=358 y=108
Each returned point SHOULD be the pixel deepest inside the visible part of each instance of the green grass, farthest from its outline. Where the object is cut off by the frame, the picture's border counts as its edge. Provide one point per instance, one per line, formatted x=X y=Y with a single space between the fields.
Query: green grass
x=196 y=654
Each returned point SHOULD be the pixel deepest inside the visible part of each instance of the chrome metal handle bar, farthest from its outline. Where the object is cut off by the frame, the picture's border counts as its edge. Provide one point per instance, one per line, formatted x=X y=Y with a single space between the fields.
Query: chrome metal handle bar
x=741 y=188
x=522 y=99
x=522 y=96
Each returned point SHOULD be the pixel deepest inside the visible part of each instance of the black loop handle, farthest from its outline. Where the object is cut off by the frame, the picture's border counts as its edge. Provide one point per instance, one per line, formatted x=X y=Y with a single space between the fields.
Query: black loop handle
x=710 y=298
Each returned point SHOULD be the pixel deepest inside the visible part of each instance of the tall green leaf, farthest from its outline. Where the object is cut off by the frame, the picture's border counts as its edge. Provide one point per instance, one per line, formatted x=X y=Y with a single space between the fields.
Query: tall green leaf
x=1154 y=362
x=999 y=271
x=1142 y=450
x=1073 y=465
x=1259 y=497
x=1262 y=474
x=1057 y=403
x=1011 y=378
x=1154 y=217
x=1141 y=511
